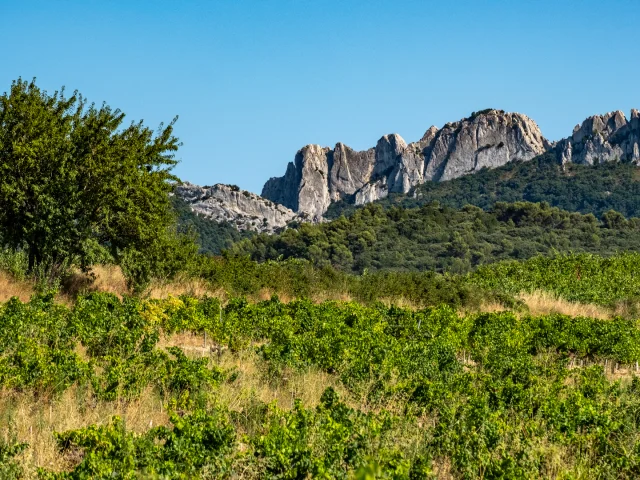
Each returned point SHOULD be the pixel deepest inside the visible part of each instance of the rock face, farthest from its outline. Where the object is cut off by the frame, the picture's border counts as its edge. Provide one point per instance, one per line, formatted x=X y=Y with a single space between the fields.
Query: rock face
x=319 y=176
x=603 y=138
x=245 y=210
x=350 y=171
x=488 y=139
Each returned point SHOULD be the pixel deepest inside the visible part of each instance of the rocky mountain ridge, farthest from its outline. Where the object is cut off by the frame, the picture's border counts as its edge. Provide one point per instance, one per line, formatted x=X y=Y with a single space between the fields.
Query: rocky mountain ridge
x=243 y=209
x=603 y=138
x=319 y=176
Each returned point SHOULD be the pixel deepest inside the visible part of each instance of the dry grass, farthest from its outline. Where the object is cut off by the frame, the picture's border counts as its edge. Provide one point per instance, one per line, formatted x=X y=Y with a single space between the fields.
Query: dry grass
x=110 y=279
x=33 y=420
x=266 y=294
x=252 y=381
x=543 y=303
x=191 y=287
x=10 y=287
x=401 y=302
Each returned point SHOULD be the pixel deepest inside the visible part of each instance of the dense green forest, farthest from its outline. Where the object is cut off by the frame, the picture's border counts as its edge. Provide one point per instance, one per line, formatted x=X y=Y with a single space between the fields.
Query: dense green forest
x=440 y=238
x=576 y=188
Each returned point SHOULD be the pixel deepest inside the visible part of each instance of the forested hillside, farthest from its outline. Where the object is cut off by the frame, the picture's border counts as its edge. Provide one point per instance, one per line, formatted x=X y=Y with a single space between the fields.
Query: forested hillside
x=573 y=187
x=437 y=237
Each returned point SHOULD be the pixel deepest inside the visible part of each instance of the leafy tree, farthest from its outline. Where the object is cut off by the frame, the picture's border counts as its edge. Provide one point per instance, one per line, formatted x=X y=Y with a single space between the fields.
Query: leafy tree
x=614 y=220
x=77 y=187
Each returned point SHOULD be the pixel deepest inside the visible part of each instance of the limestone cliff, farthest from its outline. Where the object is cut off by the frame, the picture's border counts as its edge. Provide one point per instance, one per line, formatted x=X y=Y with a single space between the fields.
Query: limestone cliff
x=603 y=138
x=245 y=210
x=319 y=176
x=489 y=139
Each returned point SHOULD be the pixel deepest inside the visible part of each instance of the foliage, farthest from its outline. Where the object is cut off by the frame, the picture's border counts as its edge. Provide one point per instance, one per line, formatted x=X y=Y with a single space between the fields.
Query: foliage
x=15 y=263
x=294 y=278
x=578 y=277
x=436 y=237
x=493 y=394
x=111 y=451
x=38 y=349
x=328 y=442
x=10 y=468
x=496 y=385
x=77 y=187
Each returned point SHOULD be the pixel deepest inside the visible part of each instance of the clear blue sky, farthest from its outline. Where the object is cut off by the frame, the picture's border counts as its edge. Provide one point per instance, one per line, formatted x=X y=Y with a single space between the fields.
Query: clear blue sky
x=253 y=81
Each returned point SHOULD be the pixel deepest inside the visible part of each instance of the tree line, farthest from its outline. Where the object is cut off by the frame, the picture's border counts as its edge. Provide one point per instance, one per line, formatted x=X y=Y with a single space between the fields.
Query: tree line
x=441 y=238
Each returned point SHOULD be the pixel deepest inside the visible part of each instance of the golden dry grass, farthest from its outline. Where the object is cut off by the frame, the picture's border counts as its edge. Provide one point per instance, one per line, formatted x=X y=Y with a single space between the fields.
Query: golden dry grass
x=544 y=303
x=110 y=279
x=10 y=287
x=266 y=294
x=491 y=307
x=401 y=302
x=254 y=383
x=191 y=287
x=31 y=419
x=34 y=420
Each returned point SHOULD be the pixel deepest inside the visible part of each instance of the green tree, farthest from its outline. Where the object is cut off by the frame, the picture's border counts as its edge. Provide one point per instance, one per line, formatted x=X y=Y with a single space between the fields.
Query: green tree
x=77 y=186
x=614 y=220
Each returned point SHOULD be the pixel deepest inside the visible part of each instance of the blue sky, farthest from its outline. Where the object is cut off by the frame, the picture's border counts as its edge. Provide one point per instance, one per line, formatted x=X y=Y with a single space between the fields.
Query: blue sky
x=254 y=81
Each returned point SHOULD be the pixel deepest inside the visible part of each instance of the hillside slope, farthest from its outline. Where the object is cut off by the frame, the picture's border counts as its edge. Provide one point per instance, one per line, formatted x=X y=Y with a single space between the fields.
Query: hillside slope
x=436 y=237
x=321 y=182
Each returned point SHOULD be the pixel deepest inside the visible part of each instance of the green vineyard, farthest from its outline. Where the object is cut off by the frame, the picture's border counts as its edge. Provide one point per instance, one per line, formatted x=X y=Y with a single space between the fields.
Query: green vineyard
x=429 y=393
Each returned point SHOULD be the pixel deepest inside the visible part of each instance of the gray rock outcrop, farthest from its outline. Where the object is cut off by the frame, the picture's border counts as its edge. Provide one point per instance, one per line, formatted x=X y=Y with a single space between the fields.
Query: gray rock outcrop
x=319 y=176
x=350 y=171
x=603 y=138
x=489 y=139
x=245 y=210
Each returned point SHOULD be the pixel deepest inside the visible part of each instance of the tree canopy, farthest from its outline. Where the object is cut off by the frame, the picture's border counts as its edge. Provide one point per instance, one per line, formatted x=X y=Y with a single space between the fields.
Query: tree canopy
x=437 y=237
x=78 y=187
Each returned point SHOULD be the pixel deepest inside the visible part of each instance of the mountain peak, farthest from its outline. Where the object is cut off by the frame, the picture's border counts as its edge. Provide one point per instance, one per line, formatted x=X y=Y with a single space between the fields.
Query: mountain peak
x=602 y=138
x=319 y=176
x=489 y=138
